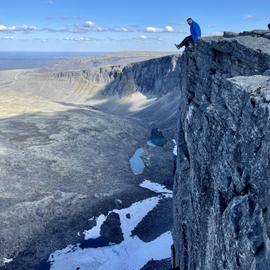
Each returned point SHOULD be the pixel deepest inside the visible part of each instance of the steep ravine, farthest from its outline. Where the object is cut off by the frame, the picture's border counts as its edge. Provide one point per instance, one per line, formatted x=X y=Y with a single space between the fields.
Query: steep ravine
x=222 y=186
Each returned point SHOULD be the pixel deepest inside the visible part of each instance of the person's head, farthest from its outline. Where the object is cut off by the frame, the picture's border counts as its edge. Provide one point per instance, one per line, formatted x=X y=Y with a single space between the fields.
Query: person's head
x=269 y=26
x=189 y=21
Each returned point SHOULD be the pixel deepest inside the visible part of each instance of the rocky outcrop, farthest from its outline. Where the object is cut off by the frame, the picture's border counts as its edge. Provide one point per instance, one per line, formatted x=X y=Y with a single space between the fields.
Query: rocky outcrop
x=159 y=218
x=111 y=229
x=254 y=33
x=222 y=188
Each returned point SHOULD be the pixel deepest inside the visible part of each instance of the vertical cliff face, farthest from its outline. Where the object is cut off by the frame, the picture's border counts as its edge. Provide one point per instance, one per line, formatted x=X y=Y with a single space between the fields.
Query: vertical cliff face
x=156 y=77
x=222 y=182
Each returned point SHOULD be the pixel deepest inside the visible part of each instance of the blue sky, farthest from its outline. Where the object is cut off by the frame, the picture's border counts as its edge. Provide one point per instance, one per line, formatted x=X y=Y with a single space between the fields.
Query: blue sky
x=114 y=25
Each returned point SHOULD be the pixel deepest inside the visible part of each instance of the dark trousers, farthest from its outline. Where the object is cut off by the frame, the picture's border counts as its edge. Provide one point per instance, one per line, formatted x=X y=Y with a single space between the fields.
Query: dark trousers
x=188 y=40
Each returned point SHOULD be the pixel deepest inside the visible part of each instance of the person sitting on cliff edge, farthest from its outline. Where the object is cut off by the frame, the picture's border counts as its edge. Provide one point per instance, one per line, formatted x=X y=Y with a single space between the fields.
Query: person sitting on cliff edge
x=195 y=34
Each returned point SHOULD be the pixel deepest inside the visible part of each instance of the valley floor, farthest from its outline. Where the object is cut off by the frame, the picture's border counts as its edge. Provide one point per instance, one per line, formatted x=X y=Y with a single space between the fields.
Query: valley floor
x=62 y=164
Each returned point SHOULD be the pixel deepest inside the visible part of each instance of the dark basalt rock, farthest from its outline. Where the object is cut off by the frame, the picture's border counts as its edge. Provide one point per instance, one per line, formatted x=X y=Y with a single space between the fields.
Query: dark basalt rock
x=111 y=229
x=159 y=218
x=221 y=198
x=228 y=34
x=158 y=265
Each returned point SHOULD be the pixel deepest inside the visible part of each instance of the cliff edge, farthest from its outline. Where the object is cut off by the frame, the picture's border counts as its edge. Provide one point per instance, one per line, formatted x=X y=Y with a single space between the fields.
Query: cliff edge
x=222 y=186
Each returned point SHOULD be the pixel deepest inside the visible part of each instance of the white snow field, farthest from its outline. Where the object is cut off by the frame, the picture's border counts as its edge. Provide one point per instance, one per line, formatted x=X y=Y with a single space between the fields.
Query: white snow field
x=132 y=253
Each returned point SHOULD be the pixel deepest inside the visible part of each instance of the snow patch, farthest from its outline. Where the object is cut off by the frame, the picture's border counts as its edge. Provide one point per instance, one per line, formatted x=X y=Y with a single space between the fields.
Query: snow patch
x=155 y=187
x=6 y=260
x=149 y=143
x=175 y=147
x=132 y=253
x=189 y=114
x=95 y=231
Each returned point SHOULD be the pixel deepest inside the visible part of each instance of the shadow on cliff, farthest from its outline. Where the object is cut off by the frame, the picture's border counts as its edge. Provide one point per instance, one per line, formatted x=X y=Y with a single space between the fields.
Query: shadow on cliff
x=153 y=110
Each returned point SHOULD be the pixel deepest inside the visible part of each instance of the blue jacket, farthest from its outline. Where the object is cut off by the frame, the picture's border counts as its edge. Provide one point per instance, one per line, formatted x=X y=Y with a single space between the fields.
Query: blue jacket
x=195 y=31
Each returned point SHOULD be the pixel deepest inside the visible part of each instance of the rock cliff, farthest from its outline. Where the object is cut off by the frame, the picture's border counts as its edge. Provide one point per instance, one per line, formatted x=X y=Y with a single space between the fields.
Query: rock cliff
x=155 y=76
x=222 y=187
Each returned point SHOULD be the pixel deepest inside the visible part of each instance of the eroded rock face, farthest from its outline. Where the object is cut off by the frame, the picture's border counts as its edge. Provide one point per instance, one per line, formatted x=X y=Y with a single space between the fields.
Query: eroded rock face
x=156 y=76
x=222 y=188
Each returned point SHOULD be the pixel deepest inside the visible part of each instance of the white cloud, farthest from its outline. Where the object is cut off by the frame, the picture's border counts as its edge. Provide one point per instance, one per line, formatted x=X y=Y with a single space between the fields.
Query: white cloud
x=7 y=38
x=100 y=29
x=80 y=39
x=91 y=27
x=124 y=29
x=151 y=29
x=77 y=30
x=55 y=30
x=166 y=29
x=89 y=24
x=249 y=17
x=3 y=28
x=51 y=2
x=146 y=38
x=18 y=28
x=86 y=27
x=25 y=27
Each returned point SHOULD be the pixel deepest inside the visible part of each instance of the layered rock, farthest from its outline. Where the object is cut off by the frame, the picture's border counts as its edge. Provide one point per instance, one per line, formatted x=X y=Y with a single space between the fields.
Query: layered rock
x=100 y=76
x=222 y=188
x=157 y=76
